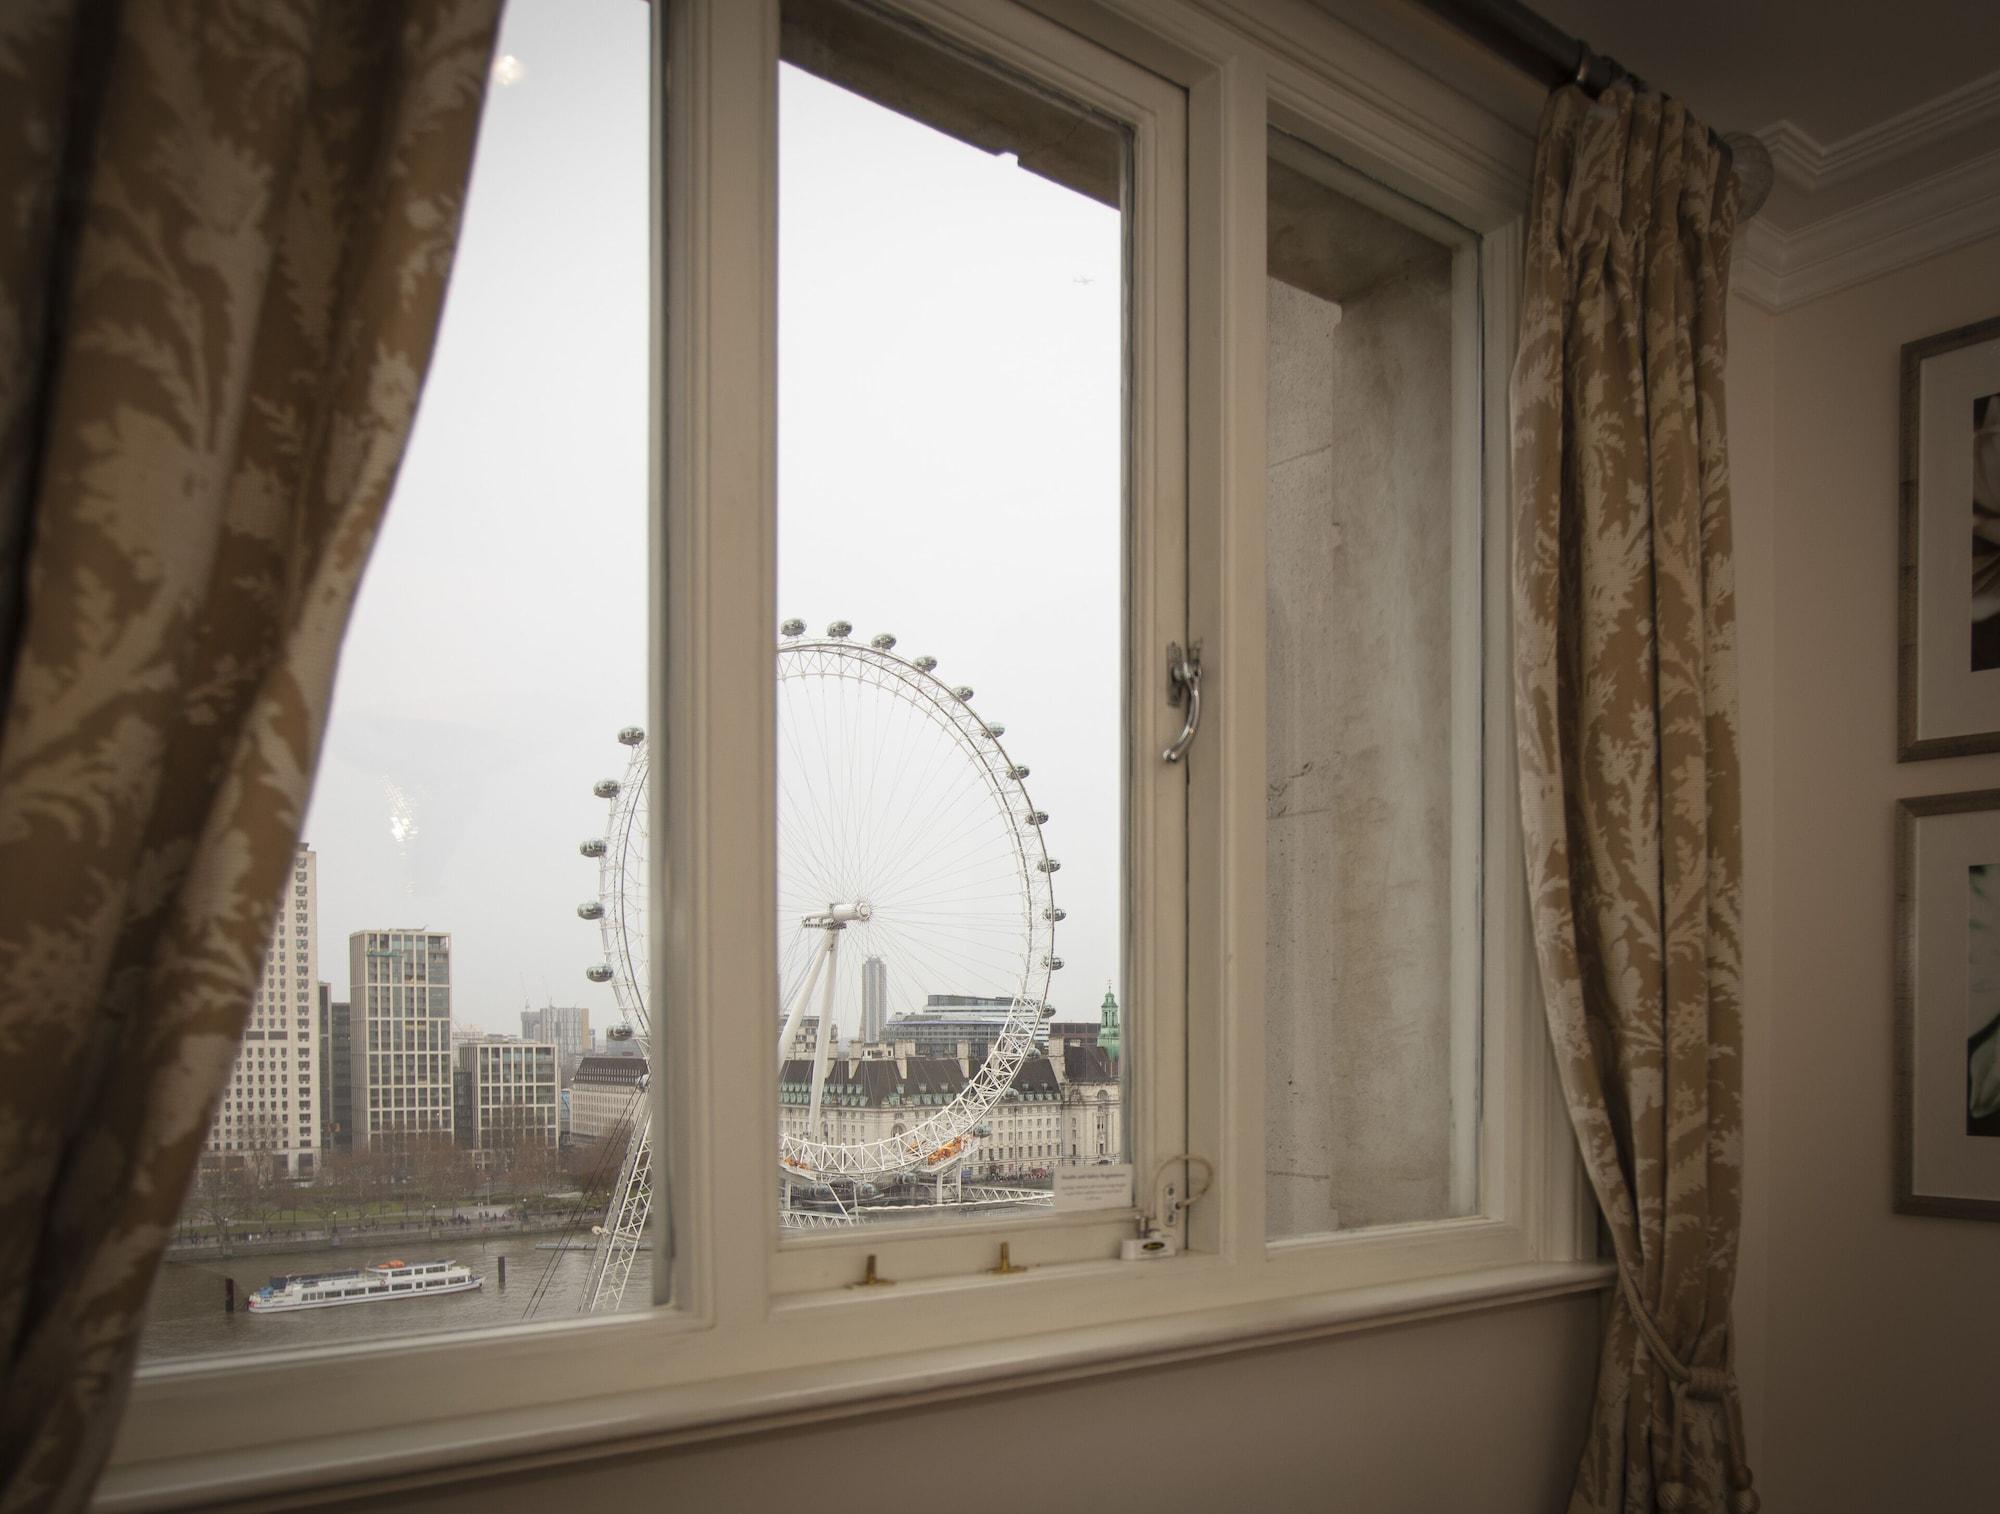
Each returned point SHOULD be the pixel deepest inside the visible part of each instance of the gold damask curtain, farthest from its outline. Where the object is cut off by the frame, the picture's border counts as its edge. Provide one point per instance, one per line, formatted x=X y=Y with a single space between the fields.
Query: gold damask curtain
x=1626 y=707
x=225 y=229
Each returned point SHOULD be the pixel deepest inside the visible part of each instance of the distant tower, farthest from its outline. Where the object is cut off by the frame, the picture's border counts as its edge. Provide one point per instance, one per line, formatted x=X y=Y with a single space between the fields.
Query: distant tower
x=874 y=998
x=1107 y=1031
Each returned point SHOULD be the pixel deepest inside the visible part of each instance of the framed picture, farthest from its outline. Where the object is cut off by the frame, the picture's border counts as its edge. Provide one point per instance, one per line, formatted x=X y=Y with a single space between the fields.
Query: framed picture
x=1948 y=1005
x=1949 y=663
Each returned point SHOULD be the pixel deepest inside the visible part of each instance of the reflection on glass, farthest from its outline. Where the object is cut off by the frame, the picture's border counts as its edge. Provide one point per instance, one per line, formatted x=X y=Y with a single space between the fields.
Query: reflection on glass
x=393 y=1100
x=1373 y=728
x=951 y=451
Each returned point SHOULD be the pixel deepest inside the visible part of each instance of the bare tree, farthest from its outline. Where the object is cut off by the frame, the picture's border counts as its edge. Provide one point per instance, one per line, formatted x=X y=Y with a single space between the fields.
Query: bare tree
x=593 y=1166
x=333 y=1187
x=437 y=1171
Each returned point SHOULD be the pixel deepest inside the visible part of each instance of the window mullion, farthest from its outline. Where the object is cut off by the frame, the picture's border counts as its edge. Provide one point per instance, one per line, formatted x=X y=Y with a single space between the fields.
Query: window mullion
x=1226 y=608
x=716 y=707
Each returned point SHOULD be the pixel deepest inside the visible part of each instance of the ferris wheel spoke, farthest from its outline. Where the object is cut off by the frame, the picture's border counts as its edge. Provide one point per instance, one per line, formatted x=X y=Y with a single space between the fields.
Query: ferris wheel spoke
x=800 y=800
x=922 y=878
x=938 y=958
x=920 y=831
x=805 y=858
x=935 y=791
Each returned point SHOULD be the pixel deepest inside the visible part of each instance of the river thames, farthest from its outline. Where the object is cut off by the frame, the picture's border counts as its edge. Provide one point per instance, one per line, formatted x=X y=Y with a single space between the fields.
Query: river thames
x=187 y=1318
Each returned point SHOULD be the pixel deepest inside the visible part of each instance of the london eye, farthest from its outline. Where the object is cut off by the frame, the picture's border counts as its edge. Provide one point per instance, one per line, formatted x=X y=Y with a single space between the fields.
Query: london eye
x=906 y=837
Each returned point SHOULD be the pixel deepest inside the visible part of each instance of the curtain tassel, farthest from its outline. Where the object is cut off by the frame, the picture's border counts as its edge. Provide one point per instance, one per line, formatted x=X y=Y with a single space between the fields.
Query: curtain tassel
x=1715 y=1384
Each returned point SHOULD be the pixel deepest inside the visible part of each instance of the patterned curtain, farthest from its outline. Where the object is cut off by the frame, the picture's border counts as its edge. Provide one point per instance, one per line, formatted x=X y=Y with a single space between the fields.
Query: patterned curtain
x=225 y=229
x=1625 y=697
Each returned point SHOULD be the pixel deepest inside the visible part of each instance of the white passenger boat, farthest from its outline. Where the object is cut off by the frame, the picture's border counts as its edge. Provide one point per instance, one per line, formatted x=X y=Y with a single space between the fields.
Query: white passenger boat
x=396 y=1279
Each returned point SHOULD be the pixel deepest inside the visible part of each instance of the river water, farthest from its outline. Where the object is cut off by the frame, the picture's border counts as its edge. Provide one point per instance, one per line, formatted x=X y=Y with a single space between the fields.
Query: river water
x=187 y=1317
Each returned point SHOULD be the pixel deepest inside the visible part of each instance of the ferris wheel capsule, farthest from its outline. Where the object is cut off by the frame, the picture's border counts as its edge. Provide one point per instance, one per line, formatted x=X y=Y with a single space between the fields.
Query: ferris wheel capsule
x=605 y=788
x=1049 y=865
x=1053 y=914
x=925 y=664
x=1018 y=771
x=590 y=909
x=599 y=973
x=963 y=693
x=594 y=847
x=792 y=628
x=1053 y=964
x=1037 y=817
x=840 y=630
x=883 y=643
x=632 y=735
x=995 y=729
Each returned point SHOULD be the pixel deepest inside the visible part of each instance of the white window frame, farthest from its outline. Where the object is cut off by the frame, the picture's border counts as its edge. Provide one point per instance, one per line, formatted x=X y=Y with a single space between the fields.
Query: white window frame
x=760 y=1332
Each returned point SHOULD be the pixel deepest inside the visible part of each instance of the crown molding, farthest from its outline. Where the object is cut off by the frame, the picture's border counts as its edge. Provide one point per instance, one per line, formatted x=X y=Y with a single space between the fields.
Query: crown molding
x=1807 y=163
x=1778 y=270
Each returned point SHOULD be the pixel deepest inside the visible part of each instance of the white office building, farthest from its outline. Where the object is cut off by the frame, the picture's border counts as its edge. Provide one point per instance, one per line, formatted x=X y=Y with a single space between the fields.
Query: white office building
x=607 y=1096
x=509 y=1088
x=399 y=991
x=270 y=1109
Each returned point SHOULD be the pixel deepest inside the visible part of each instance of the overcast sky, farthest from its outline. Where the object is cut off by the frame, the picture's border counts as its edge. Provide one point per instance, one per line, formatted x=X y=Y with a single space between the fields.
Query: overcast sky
x=949 y=470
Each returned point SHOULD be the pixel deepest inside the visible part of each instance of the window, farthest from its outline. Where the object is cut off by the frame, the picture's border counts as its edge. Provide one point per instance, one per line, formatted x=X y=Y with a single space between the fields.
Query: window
x=979 y=442
x=789 y=430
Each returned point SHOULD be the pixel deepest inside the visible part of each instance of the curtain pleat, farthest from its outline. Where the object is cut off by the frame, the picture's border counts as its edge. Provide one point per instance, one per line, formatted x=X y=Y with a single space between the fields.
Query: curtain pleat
x=1630 y=794
x=220 y=279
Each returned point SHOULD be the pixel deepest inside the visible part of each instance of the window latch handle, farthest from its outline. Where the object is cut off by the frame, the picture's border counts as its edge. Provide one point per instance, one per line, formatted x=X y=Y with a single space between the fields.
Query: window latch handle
x=1184 y=684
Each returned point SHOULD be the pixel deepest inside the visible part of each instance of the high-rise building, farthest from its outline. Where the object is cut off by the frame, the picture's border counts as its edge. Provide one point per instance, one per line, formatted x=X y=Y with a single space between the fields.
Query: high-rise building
x=568 y=1027
x=874 y=998
x=268 y=1110
x=336 y=1073
x=509 y=1089
x=399 y=986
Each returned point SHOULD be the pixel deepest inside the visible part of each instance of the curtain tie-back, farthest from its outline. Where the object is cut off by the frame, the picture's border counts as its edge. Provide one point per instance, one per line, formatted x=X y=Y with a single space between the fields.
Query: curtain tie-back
x=1717 y=1385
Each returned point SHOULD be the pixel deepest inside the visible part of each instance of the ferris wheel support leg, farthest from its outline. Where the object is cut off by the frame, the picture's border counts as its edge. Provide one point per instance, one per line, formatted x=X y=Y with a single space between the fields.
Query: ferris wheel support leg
x=831 y=959
x=798 y=1006
x=624 y=1231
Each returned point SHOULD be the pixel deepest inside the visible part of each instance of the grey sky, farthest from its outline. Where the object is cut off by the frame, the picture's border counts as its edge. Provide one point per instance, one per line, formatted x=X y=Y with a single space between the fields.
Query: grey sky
x=949 y=470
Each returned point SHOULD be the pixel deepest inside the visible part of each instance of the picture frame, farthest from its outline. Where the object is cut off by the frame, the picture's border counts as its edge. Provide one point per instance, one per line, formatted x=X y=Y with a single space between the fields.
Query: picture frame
x=1948 y=661
x=1948 y=1005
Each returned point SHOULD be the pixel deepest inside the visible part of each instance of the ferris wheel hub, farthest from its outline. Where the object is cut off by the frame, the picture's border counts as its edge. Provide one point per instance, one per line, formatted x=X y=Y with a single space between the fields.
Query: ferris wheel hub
x=839 y=916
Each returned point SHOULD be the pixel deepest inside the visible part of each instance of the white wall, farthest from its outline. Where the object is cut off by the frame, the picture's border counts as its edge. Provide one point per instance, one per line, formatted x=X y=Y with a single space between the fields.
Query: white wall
x=1879 y=1331
x=1481 y=1412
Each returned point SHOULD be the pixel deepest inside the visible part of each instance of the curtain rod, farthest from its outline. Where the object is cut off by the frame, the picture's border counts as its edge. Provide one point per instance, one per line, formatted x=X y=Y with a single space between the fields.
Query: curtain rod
x=1539 y=48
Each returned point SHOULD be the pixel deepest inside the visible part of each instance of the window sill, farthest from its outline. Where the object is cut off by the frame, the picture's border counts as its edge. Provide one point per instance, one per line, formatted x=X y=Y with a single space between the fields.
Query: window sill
x=622 y=1423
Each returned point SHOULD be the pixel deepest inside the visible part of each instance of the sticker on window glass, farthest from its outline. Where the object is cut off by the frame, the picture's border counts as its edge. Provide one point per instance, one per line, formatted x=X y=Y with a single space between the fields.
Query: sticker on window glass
x=1106 y=1187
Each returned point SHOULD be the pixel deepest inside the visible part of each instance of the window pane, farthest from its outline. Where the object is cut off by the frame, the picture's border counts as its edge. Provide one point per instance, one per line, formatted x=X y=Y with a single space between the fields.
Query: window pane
x=497 y=647
x=951 y=459
x=1373 y=734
